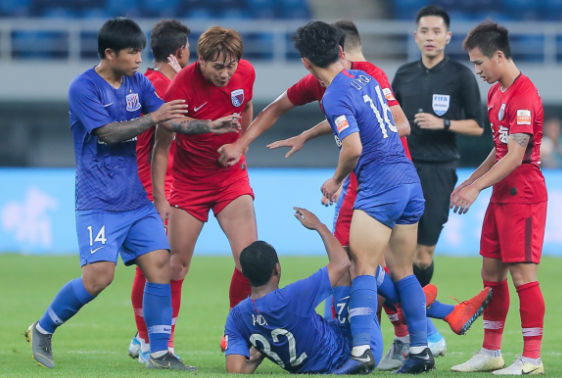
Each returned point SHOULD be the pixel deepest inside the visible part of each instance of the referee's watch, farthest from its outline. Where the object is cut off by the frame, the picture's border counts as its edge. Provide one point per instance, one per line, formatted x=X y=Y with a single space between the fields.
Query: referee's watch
x=447 y=124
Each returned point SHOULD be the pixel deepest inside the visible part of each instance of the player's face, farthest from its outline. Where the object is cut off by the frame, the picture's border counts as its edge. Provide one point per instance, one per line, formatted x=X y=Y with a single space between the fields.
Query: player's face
x=432 y=36
x=127 y=62
x=485 y=67
x=220 y=71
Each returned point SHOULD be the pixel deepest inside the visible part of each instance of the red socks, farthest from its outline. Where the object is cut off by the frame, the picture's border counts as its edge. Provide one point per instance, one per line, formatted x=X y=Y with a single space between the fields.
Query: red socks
x=495 y=314
x=400 y=329
x=532 y=311
x=175 y=286
x=239 y=288
x=137 y=294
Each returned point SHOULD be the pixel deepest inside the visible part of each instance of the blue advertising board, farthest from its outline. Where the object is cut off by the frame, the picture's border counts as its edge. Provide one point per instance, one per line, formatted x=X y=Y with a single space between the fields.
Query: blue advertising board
x=37 y=214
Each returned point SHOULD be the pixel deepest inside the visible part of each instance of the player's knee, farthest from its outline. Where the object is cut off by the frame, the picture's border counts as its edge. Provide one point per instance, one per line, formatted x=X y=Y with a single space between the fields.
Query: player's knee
x=97 y=283
x=522 y=274
x=424 y=256
x=179 y=267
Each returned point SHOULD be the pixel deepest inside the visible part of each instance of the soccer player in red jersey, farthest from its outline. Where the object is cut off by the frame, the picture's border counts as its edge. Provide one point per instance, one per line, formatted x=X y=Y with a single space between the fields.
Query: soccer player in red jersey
x=219 y=84
x=513 y=229
x=170 y=47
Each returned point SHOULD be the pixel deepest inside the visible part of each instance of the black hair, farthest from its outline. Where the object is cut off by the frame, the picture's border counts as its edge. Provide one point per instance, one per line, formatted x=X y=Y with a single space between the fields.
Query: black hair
x=258 y=261
x=319 y=42
x=351 y=38
x=489 y=37
x=167 y=37
x=434 y=10
x=120 y=34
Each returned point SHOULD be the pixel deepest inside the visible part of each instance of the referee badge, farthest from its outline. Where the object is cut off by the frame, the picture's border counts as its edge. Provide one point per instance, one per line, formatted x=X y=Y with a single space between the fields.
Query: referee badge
x=501 y=113
x=441 y=104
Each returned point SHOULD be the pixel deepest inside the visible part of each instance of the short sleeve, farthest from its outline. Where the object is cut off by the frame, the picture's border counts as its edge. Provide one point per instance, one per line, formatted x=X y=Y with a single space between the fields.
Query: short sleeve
x=339 y=112
x=470 y=98
x=521 y=115
x=176 y=91
x=150 y=99
x=85 y=104
x=235 y=342
x=386 y=88
x=305 y=295
x=304 y=92
x=251 y=74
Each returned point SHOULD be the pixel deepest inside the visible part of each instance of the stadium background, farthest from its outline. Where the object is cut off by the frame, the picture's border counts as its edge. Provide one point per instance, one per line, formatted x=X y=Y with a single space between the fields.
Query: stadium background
x=44 y=44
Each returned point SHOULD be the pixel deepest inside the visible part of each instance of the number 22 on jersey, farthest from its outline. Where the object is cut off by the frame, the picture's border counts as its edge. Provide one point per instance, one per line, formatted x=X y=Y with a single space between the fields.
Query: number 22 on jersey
x=266 y=347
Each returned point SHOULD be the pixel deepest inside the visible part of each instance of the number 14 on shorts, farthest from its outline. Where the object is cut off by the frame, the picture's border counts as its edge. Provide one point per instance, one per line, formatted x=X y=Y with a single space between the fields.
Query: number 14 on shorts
x=100 y=237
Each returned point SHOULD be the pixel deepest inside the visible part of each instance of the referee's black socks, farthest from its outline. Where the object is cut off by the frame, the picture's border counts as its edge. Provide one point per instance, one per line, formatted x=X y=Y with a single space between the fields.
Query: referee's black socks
x=423 y=275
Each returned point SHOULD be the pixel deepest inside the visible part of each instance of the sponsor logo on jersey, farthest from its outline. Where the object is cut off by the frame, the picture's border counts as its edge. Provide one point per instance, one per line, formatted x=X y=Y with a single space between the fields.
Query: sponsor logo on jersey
x=523 y=117
x=503 y=134
x=388 y=94
x=341 y=123
x=441 y=104
x=237 y=97
x=133 y=103
x=501 y=113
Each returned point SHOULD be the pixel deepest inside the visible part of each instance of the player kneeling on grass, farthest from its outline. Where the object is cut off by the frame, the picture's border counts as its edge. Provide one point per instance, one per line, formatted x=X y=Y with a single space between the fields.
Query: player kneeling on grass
x=282 y=324
x=113 y=214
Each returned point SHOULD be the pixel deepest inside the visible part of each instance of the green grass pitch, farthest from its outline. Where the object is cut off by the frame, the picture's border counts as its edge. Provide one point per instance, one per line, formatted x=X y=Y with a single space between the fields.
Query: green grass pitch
x=94 y=343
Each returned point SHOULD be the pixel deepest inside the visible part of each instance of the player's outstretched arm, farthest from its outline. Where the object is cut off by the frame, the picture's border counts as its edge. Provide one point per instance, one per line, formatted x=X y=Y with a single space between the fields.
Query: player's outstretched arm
x=517 y=145
x=339 y=260
x=191 y=126
x=230 y=154
x=117 y=132
x=238 y=364
x=297 y=142
x=162 y=142
x=479 y=172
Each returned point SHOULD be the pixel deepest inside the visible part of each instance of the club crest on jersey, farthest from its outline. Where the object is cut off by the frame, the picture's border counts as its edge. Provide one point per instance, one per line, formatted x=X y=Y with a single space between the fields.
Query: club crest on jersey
x=441 y=104
x=501 y=113
x=237 y=97
x=133 y=103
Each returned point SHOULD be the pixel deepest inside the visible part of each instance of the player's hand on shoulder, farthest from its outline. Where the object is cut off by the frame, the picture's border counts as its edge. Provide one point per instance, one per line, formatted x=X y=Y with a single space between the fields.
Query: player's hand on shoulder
x=173 y=62
x=230 y=154
x=295 y=143
x=308 y=219
x=163 y=208
x=170 y=110
x=228 y=124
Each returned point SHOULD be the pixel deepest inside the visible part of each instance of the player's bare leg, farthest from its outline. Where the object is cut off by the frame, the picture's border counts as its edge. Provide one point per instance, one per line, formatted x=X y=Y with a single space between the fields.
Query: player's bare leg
x=367 y=240
x=423 y=261
x=238 y=221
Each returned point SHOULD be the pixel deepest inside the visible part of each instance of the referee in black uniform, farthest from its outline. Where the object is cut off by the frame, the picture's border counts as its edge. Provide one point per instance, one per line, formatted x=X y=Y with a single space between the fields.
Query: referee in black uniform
x=440 y=97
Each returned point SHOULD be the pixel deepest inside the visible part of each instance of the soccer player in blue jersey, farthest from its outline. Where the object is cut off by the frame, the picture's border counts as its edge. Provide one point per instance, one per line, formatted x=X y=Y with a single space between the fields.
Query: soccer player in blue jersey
x=113 y=214
x=281 y=324
x=389 y=200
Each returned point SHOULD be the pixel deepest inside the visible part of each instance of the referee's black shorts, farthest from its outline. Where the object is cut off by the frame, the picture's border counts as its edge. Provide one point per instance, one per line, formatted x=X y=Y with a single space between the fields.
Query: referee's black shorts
x=438 y=182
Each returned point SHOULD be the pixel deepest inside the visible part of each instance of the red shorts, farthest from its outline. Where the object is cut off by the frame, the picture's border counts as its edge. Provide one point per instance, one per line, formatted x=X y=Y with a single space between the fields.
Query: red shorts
x=514 y=232
x=345 y=213
x=199 y=202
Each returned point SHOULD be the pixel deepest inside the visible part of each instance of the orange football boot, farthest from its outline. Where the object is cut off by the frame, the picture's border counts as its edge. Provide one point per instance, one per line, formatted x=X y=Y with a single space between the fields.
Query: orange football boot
x=465 y=313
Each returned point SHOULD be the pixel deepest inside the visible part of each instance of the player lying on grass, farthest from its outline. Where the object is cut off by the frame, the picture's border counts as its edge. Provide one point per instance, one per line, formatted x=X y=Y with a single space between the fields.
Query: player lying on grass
x=113 y=214
x=514 y=225
x=281 y=324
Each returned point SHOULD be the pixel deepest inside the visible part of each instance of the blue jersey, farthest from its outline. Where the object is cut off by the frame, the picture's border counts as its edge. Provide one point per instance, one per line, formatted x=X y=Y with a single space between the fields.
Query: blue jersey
x=354 y=102
x=107 y=176
x=284 y=326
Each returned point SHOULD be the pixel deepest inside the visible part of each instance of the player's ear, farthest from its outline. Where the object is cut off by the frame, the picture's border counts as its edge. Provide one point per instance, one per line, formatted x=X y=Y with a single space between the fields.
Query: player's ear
x=449 y=36
x=307 y=64
x=109 y=54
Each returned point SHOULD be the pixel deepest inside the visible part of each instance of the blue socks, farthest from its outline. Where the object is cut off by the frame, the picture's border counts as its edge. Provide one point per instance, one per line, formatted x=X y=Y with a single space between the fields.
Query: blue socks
x=328 y=305
x=439 y=310
x=413 y=305
x=67 y=303
x=386 y=288
x=363 y=309
x=431 y=329
x=157 y=312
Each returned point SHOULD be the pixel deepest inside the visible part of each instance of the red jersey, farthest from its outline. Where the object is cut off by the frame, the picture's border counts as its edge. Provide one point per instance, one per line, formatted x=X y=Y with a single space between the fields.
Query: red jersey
x=145 y=140
x=196 y=158
x=308 y=90
x=518 y=110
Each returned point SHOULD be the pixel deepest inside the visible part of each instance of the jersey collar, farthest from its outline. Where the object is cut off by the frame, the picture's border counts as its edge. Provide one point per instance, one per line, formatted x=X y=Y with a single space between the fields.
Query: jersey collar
x=436 y=68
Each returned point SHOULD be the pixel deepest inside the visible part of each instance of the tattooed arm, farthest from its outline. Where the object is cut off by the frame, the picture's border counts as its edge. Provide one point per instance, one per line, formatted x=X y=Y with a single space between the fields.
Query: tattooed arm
x=116 y=132
x=189 y=125
x=517 y=145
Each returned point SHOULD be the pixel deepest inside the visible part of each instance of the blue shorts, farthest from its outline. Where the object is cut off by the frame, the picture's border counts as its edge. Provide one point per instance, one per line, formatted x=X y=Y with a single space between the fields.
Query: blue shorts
x=341 y=321
x=403 y=204
x=103 y=235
